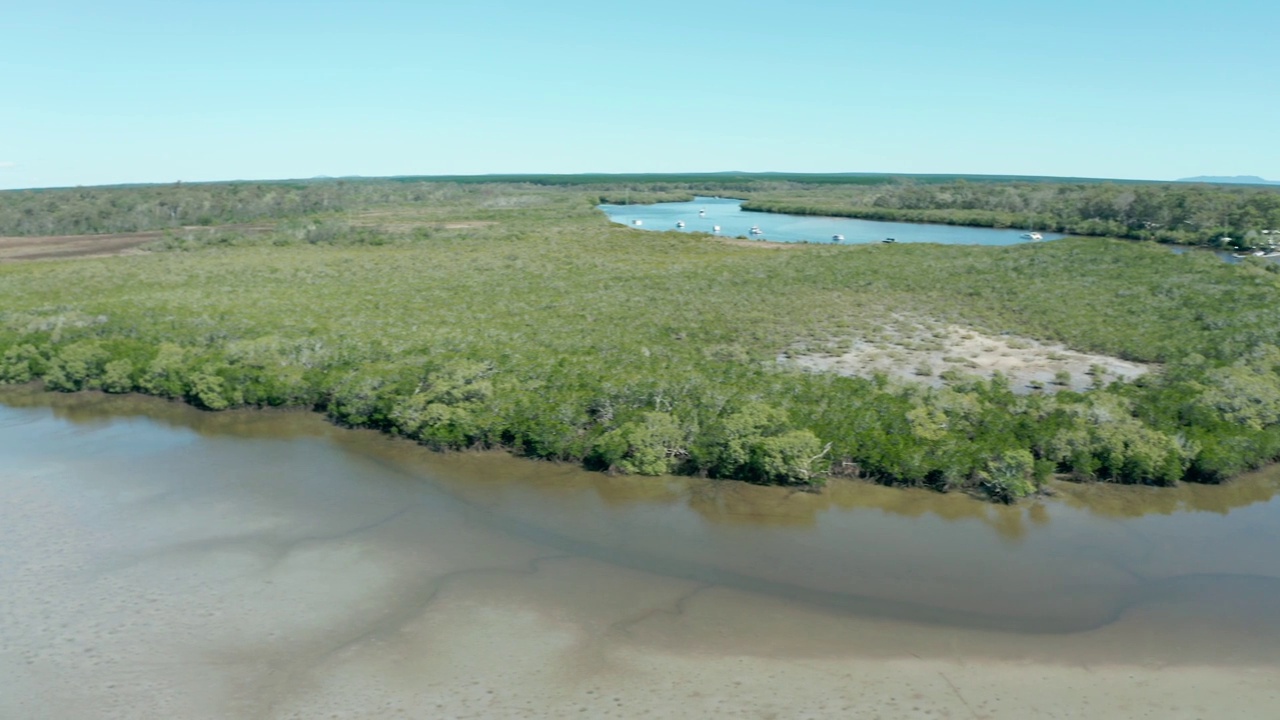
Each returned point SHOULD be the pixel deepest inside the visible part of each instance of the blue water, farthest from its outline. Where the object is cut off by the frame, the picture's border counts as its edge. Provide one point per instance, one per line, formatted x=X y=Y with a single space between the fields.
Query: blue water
x=778 y=227
x=1231 y=256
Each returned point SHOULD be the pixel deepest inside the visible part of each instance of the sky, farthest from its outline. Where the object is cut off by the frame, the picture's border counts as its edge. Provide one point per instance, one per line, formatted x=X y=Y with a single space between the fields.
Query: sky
x=157 y=91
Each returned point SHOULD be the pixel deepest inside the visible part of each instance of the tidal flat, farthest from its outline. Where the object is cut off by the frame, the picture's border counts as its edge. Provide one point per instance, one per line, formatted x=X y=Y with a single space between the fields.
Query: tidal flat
x=161 y=561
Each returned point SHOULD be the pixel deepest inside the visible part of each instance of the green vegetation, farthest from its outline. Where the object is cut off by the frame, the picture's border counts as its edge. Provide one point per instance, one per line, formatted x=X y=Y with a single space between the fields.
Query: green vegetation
x=1183 y=213
x=515 y=315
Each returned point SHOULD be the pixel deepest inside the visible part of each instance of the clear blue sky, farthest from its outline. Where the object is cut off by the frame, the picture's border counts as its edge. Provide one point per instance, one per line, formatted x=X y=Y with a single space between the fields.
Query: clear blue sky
x=157 y=91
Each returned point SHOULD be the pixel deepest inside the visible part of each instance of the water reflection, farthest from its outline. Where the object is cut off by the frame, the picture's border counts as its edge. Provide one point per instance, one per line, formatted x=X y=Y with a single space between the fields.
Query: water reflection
x=96 y=408
x=166 y=562
x=1061 y=564
x=484 y=475
x=1124 y=501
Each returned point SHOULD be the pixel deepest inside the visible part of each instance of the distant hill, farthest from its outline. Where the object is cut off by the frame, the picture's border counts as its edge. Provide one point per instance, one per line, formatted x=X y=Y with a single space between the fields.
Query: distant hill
x=1234 y=180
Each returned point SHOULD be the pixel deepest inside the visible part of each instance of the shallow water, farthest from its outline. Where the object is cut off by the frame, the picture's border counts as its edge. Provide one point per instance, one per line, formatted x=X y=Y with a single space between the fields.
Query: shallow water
x=255 y=563
x=781 y=227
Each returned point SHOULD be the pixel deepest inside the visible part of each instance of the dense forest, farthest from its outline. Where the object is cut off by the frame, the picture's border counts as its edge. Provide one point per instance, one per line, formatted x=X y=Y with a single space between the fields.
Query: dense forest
x=515 y=315
x=1184 y=213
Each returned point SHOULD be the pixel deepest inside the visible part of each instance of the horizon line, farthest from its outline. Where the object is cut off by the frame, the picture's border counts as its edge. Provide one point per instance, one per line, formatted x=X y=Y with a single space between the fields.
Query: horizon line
x=1208 y=179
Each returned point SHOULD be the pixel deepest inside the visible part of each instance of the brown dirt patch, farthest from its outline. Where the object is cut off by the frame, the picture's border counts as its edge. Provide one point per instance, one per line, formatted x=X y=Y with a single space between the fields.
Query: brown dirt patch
x=47 y=247
x=44 y=247
x=406 y=226
x=765 y=244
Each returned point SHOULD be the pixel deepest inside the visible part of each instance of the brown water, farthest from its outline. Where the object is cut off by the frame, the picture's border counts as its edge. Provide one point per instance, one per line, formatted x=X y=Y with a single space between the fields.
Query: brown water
x=157 y=561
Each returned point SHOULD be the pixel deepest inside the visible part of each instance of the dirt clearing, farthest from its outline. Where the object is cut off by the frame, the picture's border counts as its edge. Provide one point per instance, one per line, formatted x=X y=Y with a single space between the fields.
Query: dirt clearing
x=46 y=247
x=918 y=353
x=42 y=247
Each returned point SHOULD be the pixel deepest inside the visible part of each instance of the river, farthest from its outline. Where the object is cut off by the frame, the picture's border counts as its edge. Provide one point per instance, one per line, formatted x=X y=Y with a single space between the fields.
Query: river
x=703 y=214
x=158 y=561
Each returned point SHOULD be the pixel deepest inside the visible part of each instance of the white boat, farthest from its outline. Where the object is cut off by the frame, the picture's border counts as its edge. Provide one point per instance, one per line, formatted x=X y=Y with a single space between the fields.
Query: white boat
x=1033 y=236
x=702 y=212
x=755 y=230
x=679 y=223
x=637 y=222
x=837 y=238
x=715 y=228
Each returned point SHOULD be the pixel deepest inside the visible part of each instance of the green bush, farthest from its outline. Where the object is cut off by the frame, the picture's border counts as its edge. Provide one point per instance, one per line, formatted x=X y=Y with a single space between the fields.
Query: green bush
x=1009 y=476
x=655 y=444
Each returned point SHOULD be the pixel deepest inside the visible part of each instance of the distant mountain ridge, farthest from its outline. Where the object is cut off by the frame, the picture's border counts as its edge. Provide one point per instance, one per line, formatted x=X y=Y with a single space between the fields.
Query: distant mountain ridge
x=1232 y=179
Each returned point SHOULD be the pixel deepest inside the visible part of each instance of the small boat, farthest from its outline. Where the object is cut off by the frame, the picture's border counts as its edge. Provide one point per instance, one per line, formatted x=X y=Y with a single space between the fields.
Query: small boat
x=889 y=240
x=715 y=228
x=755 y=230
x=679 y=223
x=702 y=212
x=837 y=238
x=1033 y=236
x=637 y=222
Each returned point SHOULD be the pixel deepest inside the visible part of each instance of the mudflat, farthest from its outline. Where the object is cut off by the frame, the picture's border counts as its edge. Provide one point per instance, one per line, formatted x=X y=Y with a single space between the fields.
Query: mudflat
x=161 y=562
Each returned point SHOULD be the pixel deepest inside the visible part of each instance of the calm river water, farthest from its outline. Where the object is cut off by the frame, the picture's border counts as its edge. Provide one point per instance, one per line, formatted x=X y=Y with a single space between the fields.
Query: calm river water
x=158 y=561
x=703 y=214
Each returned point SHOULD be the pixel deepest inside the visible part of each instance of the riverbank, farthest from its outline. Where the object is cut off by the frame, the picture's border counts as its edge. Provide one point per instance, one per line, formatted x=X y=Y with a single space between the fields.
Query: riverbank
x=517 y=317
x=1179 y=214
x=732 y=218
x=166 y=562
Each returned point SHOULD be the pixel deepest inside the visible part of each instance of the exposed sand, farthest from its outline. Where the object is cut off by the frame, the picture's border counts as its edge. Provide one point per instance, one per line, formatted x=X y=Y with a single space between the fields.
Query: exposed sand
x=916 y=353
x=544 y=668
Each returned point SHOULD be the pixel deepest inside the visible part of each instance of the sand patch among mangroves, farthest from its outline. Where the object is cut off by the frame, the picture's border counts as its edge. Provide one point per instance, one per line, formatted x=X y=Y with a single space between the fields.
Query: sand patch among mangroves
x=927 y=353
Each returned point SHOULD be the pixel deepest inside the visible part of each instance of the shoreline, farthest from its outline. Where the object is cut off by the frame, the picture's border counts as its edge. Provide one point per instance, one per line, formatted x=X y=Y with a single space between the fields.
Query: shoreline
x=166 y=584
x=361 y=330
x=1106 y=499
